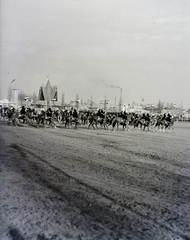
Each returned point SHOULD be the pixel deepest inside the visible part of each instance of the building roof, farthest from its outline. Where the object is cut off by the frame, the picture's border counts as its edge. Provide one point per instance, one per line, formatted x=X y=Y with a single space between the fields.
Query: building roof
x=48 y=93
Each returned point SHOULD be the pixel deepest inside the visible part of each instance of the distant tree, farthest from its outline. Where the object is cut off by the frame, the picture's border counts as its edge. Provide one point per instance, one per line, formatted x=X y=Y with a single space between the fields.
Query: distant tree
x=160 y=106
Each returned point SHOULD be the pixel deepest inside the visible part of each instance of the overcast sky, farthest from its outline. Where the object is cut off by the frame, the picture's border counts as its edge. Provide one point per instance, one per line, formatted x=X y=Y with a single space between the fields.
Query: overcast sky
x=86 y=47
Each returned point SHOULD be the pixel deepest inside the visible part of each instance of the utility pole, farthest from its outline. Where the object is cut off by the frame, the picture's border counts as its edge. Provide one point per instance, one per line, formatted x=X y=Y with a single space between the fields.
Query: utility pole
x=105 y=103
x=182 y=107
x=62 y=100
x=90 y=103
x=77 y=102
x=26 y=99
x=120 y=99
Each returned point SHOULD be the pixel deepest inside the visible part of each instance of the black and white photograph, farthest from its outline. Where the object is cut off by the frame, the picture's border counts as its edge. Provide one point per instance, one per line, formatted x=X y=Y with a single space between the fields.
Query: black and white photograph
x=95 y=120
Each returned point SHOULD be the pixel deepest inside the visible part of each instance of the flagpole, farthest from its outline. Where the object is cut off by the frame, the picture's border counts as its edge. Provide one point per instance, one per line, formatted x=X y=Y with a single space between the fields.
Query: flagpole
x=120 y=99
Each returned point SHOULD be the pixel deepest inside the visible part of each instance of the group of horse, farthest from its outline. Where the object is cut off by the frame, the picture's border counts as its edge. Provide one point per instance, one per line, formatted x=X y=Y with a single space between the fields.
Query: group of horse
x=91 y=119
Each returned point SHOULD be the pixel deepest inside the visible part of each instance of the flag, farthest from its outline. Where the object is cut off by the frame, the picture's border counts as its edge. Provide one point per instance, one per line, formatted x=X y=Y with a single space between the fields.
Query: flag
x=13 y=80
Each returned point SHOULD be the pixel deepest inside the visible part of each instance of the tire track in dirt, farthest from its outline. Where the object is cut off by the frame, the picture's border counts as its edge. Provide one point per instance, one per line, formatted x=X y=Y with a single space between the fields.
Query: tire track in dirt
x=121 y=208
x=80 y=160
x=34 y=174
x=132 y=181
x=115 y=211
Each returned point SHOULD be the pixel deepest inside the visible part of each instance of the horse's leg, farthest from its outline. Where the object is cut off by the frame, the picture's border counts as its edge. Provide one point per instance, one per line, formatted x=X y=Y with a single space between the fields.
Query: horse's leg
x=106 y=126
x=76 y=124
x=90 y=124
x=43 y=122
x=168 y=127
x=135 y=126
x=67 y=123
x=117 y=123
x=113 y=124
x=148 y=127
x=157 y=126
x=162 y=128
x=53 y=123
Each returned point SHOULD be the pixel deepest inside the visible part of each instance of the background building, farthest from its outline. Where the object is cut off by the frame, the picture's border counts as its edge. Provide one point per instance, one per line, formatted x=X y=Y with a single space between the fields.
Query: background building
x=48 y=96
x=14 y=98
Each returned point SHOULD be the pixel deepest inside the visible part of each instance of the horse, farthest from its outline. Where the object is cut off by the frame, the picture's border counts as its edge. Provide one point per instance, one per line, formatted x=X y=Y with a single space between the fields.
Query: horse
x=40 y=118
x=84 y=117
x=144 y=122
x=93 y=120
x=9 y=115
x=72 y=117
x=99 y=118
x=4 y=113
x=169 y=123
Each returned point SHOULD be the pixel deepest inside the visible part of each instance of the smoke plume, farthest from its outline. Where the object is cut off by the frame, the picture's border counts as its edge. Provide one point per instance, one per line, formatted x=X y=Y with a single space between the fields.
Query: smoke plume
x=110 y=85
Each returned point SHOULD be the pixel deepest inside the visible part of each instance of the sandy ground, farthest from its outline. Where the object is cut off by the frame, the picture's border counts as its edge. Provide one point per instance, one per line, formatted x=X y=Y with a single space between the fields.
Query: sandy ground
x=94 y=184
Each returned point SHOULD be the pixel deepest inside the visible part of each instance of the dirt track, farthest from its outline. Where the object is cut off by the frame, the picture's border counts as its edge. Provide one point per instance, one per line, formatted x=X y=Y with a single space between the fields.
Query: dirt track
x=94 y=184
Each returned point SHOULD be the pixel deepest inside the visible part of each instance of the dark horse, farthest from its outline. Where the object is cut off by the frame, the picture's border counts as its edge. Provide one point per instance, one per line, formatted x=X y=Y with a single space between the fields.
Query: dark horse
x=70 y=118
x=100 y=118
